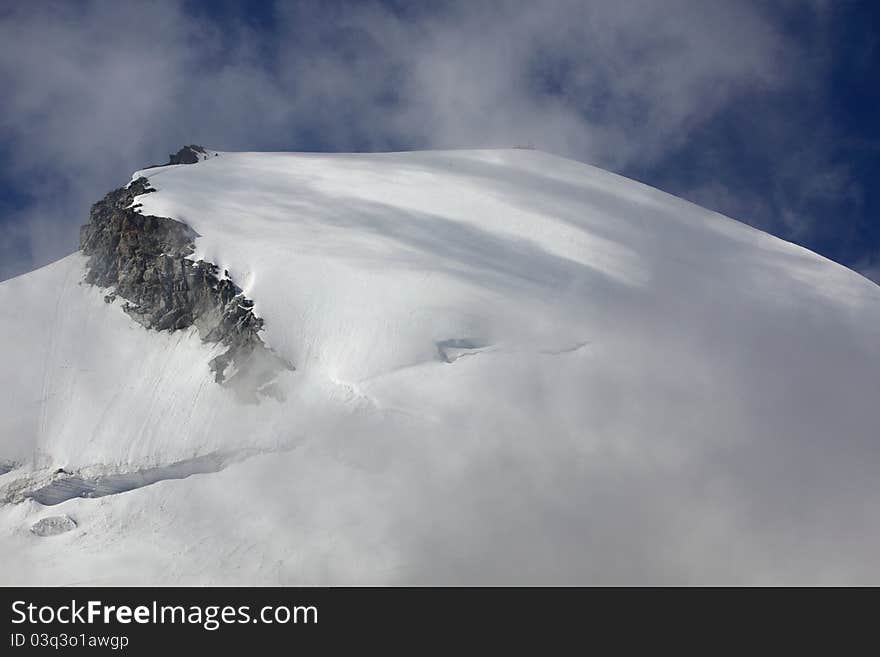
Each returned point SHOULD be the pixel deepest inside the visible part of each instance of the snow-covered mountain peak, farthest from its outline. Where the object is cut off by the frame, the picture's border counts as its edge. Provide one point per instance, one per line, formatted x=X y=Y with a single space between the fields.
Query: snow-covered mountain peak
x=498 y=366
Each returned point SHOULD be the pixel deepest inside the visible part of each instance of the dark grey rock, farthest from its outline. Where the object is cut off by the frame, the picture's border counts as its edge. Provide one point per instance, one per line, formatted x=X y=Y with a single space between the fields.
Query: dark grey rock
x=188 y=155
x=144 y=259
x=192 y=154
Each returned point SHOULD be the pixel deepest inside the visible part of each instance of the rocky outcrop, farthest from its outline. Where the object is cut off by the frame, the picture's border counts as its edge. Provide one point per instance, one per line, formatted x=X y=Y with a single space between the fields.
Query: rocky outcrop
x=192 y=154
x=144 y=259
x=188 y=155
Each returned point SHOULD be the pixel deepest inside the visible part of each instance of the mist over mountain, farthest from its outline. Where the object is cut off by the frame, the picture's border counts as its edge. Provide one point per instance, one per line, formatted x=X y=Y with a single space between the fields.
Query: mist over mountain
x=433 y=367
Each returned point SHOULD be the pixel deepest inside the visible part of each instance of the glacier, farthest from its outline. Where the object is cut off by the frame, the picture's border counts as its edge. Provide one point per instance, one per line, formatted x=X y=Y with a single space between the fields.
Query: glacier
x=509 y=368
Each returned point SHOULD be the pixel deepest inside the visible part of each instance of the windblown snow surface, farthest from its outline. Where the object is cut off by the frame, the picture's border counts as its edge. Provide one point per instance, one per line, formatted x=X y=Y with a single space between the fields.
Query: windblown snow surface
x=510 y=368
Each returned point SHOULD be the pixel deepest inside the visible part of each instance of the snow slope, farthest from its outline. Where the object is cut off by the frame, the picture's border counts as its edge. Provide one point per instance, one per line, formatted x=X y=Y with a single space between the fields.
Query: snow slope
x=510 y=368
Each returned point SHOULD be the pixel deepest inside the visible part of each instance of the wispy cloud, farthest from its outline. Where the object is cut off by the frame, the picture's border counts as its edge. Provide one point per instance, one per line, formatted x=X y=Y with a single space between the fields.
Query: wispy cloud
x=94 y=90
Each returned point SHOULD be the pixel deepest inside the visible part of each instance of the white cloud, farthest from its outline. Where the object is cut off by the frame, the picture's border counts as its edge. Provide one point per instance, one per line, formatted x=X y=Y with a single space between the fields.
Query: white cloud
x=95 y=90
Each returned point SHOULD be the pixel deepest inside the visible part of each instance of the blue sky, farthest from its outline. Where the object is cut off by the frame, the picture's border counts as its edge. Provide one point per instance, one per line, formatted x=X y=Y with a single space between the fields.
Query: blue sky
x=764 y=111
